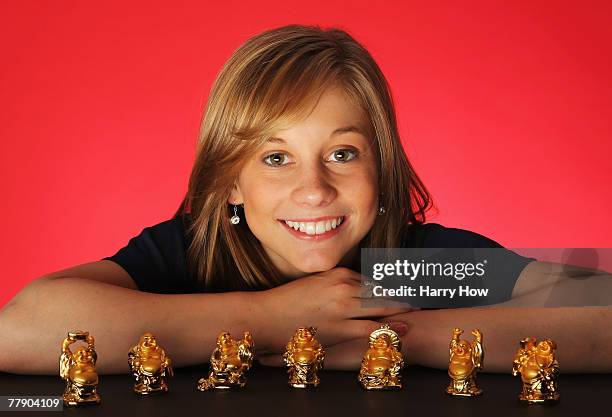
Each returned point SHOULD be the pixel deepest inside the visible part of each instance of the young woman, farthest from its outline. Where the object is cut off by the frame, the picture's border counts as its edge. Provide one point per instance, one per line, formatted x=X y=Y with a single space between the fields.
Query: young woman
x=298 y=166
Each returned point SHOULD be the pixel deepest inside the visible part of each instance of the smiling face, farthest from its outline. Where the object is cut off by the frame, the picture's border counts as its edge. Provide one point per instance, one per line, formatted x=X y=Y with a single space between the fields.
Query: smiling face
x=147 y=340
x=304 y=335
x=83 y=356
x=310 y=194
x=382 y=342
x=462 y=348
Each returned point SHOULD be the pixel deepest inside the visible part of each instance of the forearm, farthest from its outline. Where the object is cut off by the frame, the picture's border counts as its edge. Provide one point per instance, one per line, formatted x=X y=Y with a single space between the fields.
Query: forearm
x=582 y=335
x=186 y=325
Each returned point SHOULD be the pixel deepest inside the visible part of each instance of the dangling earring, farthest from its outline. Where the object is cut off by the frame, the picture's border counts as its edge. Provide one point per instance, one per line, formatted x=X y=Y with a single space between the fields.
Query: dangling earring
x=381 y=208
x=235 y=219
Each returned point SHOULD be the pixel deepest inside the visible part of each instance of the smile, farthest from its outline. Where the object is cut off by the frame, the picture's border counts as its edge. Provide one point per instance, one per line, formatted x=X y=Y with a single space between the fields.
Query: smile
x=314 y=230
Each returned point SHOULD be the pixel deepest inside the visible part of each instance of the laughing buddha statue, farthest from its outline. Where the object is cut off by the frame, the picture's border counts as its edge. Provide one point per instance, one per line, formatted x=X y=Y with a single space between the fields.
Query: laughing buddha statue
x=78 y=369
x=304 y=357
x=228 y=363
x=539 y=369
x=465 y=360
x=382 y=363
x=149 y=365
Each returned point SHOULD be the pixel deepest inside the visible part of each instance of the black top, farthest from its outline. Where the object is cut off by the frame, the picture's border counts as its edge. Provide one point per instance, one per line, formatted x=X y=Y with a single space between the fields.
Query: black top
x=156 y=258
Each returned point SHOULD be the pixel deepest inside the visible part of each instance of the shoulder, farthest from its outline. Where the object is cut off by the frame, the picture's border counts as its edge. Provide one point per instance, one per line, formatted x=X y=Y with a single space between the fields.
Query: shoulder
x=156 y=258
x=435 y=235
x=171 y=233
x=177 y=224
x=507 y=265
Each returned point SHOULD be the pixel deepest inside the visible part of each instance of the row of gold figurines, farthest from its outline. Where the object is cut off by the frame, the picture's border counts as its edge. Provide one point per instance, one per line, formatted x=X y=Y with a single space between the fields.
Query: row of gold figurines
x=304 y=356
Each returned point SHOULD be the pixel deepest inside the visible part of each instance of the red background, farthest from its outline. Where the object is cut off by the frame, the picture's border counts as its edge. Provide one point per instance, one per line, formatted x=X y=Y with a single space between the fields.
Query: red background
x=504 y=109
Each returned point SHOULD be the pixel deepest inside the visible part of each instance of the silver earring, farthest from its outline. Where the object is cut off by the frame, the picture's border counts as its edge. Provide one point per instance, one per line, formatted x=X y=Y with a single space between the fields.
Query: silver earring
x=381 y=210
x=235 y=219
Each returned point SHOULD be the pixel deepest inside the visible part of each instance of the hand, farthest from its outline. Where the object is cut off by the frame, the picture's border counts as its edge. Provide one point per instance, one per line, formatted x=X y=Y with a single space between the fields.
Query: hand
x=329 y=301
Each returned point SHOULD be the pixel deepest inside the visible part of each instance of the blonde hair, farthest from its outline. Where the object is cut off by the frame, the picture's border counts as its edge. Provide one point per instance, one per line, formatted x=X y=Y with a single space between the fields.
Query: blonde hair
x=268 y=83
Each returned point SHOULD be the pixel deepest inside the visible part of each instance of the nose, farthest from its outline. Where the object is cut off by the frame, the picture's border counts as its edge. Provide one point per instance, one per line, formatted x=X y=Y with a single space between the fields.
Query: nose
x=314 y=188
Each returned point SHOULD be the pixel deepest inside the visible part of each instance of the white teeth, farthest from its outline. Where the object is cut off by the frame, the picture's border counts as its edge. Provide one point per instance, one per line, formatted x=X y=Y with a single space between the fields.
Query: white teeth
x=295 y=225
x=315 y=228
x=310 y=228
x=320 y=227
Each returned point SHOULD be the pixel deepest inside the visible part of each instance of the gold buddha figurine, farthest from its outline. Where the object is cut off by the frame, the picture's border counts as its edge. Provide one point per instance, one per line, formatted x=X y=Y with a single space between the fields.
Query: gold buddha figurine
x=149 y=365
x=465 y=360
x=539 y=369
x=304 y=358
x=229 y=362
x=383 y=361
x=79 y=370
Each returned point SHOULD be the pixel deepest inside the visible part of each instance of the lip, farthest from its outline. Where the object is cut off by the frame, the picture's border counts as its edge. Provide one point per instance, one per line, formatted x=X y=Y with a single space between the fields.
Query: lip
x=324 y=236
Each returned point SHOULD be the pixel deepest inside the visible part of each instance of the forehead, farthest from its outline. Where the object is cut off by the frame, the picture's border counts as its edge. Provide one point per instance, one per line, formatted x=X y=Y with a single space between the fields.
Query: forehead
x=334 y=113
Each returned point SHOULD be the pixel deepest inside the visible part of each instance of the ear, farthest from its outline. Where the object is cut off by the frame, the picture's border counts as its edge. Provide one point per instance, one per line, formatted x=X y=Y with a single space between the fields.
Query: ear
x=235 y=196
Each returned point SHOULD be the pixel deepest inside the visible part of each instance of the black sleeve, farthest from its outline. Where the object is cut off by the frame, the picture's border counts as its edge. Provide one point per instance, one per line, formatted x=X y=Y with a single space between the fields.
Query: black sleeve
x=433 y=235
x=156 y=258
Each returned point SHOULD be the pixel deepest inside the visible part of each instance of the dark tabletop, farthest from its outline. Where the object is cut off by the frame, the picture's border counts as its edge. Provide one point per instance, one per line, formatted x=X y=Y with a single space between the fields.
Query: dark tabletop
x=267 y=393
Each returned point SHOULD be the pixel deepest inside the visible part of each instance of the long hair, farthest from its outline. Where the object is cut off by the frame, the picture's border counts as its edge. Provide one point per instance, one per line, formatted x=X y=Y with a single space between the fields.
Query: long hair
x=269 y=82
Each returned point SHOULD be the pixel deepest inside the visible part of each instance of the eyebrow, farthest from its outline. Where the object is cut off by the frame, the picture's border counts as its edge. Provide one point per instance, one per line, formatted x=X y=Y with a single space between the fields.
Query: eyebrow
x=338 y=131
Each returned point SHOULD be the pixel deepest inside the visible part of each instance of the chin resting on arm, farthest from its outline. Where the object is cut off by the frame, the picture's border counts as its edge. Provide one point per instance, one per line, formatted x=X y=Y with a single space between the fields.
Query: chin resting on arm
x=584 y=341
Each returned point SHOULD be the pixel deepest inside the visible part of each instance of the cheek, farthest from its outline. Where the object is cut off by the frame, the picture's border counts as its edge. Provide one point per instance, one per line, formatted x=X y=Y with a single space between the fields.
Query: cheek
x=261 y=198
x=367 y=195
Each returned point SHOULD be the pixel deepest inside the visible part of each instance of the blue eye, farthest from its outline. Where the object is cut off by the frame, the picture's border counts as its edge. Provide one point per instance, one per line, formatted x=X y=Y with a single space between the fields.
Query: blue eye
x=341 y=155
x=276 y=159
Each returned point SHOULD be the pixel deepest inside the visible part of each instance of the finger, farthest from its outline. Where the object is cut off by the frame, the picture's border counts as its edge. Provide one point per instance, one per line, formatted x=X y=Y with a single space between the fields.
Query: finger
x=404 y=318
x=346 y=355
x=271 y=359
x=358 y=308
x=368 y=302
x=378 y=313
x=366 y=291
x=344 y=330
x=363 y=292
x=352 y=275
x=387 y=303
x=355 y=329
